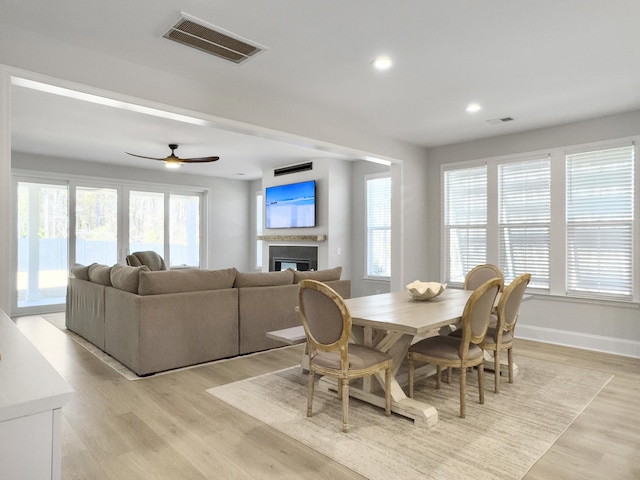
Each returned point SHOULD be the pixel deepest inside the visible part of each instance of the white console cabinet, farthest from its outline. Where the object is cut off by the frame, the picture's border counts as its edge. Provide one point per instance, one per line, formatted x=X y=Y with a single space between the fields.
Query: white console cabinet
x=32 y=394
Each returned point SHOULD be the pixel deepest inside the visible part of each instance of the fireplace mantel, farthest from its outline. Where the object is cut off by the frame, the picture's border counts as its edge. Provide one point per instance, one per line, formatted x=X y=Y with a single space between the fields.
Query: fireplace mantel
x=293 y=238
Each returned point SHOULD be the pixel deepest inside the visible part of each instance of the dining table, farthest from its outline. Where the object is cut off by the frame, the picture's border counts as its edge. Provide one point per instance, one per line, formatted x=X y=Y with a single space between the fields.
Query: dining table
x=391 y=322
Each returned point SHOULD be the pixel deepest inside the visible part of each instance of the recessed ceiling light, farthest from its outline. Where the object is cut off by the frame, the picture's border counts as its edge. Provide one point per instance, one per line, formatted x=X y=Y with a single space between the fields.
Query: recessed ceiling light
x=382 y=62
x=473 y=107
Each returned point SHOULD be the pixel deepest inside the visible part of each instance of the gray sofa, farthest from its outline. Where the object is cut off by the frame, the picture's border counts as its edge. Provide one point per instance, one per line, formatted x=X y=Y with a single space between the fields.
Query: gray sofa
x=152 y=321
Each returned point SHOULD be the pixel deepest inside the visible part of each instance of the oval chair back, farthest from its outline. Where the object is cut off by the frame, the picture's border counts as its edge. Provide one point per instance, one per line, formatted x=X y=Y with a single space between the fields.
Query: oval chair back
x=327 y=325
x=500 y=337
x=480 y=274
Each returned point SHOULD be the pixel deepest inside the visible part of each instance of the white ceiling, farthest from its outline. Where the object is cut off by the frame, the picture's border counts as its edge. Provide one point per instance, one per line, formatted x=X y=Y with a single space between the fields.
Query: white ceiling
x=543 y=63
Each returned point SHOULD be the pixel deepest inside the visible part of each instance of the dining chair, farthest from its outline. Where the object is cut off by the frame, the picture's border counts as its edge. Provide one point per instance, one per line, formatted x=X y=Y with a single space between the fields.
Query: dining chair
x=480 y=274
x=327 y=325
x=474 y=278
x=460 y=352
x=500 y=335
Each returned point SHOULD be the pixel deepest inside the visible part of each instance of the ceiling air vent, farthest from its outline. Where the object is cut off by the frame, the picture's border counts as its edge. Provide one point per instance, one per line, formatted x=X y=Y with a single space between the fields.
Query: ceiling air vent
x=208 y=38
x=301 y=167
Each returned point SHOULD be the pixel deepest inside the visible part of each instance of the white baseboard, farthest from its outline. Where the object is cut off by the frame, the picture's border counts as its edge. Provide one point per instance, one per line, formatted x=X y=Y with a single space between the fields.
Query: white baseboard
x=616 y=346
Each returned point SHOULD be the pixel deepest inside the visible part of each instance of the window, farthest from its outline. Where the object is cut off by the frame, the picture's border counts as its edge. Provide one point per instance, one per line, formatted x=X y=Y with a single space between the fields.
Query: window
x=568 y=218
x=96 y=225
x=600 y=199
x=378 y=193
x=465 y=220
x=166 y=223
x=184 y=231
x=524 y=217
x=146 y=222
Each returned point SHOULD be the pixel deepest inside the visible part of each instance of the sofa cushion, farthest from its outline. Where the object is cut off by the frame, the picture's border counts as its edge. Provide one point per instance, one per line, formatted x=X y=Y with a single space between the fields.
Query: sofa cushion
x=264 y=279
x=99 y=274
x=180 y=281
x=79 y=271
x=127 y=278
x=319 y=275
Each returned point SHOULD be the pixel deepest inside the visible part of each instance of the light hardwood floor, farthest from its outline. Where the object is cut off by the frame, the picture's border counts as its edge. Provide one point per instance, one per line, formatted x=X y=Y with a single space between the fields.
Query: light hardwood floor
x=167 y=427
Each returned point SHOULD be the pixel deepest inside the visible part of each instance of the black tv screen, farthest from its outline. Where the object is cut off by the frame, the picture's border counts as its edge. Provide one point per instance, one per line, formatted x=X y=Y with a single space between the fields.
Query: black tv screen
x=291 y=206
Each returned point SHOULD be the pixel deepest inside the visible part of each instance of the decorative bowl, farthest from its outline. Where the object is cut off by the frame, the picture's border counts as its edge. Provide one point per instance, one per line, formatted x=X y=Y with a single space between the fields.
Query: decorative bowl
x=425 y=290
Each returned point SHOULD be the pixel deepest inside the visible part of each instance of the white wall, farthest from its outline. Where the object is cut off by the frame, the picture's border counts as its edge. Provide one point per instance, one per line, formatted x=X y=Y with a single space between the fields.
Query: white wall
x=333 y=208
x=605 y=326
x=6 y=234
x=361 y=286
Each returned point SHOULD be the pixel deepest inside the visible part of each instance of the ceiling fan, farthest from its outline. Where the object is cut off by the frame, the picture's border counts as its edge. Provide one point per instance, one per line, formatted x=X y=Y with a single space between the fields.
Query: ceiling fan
x=172 y=161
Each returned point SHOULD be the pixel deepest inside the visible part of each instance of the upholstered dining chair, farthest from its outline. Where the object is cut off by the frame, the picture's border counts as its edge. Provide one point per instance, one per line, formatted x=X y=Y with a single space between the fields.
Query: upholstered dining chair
x=480 y=274
x=460 y=352
x=149 y=258
x=474 y=278
x=500 y=335
x=327 y=325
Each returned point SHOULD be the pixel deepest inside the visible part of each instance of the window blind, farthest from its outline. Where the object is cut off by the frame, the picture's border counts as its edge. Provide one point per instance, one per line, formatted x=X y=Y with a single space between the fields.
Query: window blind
x=465 y=218
x=524 y=202
x=378 y=226
x=600 y=196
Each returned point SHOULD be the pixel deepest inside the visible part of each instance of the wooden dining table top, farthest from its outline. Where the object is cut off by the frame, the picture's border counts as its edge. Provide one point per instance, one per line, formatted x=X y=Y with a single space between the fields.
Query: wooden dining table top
x=397 y=311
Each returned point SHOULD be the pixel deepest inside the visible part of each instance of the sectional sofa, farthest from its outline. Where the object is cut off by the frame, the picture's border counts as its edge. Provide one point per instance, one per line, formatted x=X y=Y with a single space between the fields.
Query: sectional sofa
x=152 y=321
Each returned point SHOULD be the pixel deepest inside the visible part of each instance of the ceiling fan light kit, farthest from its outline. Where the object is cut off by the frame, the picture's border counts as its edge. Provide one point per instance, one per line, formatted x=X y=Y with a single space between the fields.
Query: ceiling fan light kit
x=173 y=161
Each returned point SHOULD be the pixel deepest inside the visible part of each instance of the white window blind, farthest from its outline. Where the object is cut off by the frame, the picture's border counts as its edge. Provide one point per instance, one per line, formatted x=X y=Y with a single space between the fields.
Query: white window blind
x=378 y=226
x=524 y=200
x=600 y=198
x=465 y=219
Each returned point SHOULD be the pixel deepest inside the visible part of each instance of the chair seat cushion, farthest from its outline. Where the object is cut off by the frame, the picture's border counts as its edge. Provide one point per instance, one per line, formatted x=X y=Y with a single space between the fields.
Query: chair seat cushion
x=359 y=357
x=447 y=348
x=489 y=339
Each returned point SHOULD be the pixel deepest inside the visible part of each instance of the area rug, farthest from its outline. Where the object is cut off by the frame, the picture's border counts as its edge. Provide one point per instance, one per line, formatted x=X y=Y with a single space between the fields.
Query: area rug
x=501 y=439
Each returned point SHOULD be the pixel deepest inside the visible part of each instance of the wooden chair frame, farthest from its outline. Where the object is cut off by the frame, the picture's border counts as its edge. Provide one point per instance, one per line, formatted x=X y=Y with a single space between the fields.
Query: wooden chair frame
x=480 y=274
x=491 y=288
x=345 y=373
x=507 y=312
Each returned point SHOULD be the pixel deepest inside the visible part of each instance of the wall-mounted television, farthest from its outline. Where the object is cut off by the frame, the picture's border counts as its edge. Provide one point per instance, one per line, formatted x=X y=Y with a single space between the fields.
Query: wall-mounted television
x=291 y=206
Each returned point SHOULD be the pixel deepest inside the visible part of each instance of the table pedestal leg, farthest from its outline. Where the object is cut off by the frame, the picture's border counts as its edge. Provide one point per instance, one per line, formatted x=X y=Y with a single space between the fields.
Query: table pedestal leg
x=372 y=391
x=423 y=414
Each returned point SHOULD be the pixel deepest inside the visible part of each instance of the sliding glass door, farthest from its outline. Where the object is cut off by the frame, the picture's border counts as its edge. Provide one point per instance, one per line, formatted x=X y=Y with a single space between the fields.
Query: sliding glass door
x=43 y=235
x=184 y=234
x=146 y=222
x=96 y=227
x=66 y=222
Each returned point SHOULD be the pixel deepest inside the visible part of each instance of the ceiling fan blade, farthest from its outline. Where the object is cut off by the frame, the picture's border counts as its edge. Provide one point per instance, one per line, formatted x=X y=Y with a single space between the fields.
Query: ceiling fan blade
x=199 y=160
x=142 y=156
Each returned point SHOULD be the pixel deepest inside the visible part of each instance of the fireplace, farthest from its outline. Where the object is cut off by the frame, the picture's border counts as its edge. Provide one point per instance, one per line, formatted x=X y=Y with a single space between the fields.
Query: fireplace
x=281 y=263
x=296 y=257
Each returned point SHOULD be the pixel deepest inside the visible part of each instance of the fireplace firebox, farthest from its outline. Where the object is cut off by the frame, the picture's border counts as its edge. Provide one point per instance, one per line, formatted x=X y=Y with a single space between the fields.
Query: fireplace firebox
x=296 y=257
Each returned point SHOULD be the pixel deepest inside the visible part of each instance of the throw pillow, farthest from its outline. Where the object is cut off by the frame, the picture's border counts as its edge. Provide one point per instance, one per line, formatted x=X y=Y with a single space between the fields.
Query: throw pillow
x=79 y=271
x=319 y=275
x=100 y=274
x=127 y=278
x=264 y=279
x=188 y=280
